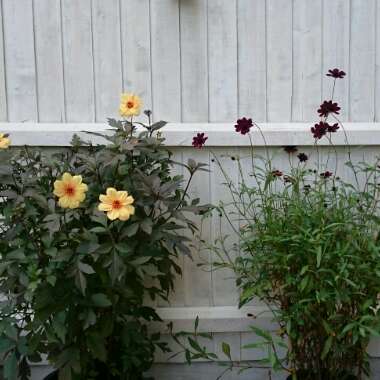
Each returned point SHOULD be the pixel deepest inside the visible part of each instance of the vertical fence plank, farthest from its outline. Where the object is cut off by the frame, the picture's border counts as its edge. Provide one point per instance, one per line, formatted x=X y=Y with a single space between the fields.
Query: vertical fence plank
x=336 y=50
x=377 y=73
x=47 y=26
x=222 y=50
x=252 y=59
x=197 y=280
x=279 y=60
x=107 y=57
x=307 y=52
x=194 y=88
x=78 y=60
x=165 y=60
x=20 y=60
x=3 y=90
x=223 y=280
x=362 y=58
x=135 y=23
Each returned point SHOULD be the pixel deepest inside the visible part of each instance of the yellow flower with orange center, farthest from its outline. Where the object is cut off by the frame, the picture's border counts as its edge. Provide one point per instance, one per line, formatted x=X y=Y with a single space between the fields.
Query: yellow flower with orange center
x=70 y=190
x=117 y=204
x=4 y=141
x=130 y=105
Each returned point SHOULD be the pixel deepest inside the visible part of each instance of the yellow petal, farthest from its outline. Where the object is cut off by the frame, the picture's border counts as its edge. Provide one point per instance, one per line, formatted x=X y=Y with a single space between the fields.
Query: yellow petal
x=104 y=207
x=111 y=192
x=67 y=177
x=112 y=215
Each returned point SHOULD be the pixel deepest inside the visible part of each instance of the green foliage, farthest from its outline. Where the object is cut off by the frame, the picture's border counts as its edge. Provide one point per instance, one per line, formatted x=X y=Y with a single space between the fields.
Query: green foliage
x=75 y=284
x=310 y=249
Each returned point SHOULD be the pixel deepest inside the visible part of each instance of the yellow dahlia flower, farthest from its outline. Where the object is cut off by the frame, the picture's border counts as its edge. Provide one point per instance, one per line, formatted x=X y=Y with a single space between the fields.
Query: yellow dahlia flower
x=4 y=141
x=70 y=190
x=130 y=105
x=117 y=204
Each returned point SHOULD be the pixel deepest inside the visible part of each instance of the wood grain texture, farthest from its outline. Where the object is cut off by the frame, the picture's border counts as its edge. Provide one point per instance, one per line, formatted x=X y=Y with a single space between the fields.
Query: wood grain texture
x=279 y=59
x=307 y=47
x=136 y=45
x=3 y=89
x=20 y=60
x=362 y=60
x=165 y=48
x=78 y=60
x=194 y=60
x=222 y=52
x=107 y=57
x=377 y=72
x=49 y=60
x=336 y=51
x=252 y=59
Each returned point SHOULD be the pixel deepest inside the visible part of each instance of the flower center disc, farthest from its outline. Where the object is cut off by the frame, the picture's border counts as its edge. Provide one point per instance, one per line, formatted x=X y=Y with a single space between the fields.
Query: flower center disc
x=130 y=104
x=116 y=204
x=69 y=191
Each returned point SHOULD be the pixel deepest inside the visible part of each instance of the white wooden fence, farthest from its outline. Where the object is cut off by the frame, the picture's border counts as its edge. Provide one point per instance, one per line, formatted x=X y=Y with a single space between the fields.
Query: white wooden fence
x=191 y=60
x=200 y=62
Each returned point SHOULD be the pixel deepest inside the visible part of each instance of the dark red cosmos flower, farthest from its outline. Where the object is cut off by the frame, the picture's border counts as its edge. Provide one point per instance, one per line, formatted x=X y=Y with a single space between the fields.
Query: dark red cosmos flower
x=243 y=125
x=328 y=107
x=302 y=157
x=336 y=73
x=333 y=128
x=199 y=140
x=326 y=174
x=319 y=130
x=277 y=173
x=290 y=149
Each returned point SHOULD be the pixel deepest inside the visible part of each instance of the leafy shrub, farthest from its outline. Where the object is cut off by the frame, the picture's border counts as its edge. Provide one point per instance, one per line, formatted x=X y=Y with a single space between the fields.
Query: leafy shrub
x=309 y=249
x=76 y=273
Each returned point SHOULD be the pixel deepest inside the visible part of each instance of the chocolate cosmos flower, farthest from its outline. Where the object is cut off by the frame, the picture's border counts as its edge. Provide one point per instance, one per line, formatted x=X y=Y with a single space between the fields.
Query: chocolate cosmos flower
x=199 y=140
x=319 y=130
x=326 y=174
x=277 y=173
x=333 y=128
x=302 y=157
x=328 y=107
x=336 y=73
x=243 y=125
x=290 y=149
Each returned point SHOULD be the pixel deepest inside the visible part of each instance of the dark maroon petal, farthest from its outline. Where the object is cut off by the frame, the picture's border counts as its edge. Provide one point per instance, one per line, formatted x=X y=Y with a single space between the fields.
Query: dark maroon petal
x=290 y=149
x=302 y=157
x=328 y=107
x=199 y=140
x=336 y=73
x=243 y=125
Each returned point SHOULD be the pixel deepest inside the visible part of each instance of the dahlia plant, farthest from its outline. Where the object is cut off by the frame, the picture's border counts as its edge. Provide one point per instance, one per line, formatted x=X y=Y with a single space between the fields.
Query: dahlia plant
x=88 y=235
x=310 y=249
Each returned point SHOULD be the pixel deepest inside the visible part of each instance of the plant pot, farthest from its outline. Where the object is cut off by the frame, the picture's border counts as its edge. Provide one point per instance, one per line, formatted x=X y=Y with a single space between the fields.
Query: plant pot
x=325 y=375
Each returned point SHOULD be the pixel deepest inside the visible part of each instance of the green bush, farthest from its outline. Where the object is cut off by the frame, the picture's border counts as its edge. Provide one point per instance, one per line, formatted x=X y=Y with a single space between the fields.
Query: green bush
x=75 y=282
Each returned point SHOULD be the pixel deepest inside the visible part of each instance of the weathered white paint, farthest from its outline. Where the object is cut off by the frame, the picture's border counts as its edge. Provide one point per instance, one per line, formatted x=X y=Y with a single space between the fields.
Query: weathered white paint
x=49 y=60
x=165 y=59
x=190 y=60
x=107 y=57
x=20 y=60
x=78 y=60
x=3 y=90
x=279 y=19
